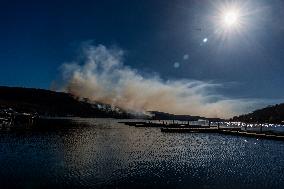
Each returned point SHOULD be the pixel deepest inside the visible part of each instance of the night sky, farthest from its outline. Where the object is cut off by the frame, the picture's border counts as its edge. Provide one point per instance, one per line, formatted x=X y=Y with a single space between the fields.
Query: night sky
x=174 y=39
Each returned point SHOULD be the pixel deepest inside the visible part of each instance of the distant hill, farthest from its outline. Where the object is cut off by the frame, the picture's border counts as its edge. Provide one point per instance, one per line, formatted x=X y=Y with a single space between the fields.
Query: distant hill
x=270 y=114
x=50 y=103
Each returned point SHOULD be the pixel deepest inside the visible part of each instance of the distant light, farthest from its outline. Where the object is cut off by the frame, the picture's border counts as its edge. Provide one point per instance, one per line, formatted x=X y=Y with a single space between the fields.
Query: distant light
x=205 y=40
x=176 y=65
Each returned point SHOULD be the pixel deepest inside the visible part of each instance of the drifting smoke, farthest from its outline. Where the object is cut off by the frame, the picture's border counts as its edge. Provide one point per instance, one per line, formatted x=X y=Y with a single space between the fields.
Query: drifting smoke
x=101 y=76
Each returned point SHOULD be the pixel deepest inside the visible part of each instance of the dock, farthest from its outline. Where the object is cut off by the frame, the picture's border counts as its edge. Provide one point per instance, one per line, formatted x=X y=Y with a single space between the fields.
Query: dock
x=188 y=128
x=199 y=130
x=227 y=131
x=162 y=124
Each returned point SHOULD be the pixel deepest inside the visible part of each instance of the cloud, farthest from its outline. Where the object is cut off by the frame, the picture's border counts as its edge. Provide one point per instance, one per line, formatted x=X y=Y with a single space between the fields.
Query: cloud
x=101 y=75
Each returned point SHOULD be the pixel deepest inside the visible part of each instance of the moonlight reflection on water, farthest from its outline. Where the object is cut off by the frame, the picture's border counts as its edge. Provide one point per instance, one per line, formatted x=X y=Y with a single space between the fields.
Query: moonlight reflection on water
x=107 y=154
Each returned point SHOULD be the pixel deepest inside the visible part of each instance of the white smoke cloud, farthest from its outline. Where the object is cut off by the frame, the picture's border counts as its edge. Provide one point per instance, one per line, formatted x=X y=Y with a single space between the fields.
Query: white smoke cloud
x=101 y=76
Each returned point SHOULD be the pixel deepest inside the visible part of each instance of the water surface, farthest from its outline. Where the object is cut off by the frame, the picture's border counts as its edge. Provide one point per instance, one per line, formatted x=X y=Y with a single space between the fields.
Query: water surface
x=105 y=154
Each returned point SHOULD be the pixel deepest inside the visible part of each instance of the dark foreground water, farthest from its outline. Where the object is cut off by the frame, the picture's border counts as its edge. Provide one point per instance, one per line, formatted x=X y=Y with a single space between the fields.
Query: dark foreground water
x=106 y=154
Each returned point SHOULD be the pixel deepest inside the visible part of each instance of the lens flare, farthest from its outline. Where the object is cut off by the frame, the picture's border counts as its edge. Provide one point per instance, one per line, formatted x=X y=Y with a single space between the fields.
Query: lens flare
x=231 y=18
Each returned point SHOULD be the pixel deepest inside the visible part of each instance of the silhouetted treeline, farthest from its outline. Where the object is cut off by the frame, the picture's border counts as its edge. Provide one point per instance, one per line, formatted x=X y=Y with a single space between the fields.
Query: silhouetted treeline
x=50 y=103
x=166 y=116
x=270 y=114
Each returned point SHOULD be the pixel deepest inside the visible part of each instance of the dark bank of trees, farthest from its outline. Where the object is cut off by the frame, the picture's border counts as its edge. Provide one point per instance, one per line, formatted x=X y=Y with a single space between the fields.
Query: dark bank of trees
x=166 y=116
x=270 y=114
x=50 y=103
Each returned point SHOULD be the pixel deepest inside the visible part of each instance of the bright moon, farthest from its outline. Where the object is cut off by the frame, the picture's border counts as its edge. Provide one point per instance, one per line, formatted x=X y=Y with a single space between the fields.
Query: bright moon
x=231 y=18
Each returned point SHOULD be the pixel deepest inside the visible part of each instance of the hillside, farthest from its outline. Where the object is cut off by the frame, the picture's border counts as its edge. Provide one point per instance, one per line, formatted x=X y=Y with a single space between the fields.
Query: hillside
x=270 y=114
x=50 y=103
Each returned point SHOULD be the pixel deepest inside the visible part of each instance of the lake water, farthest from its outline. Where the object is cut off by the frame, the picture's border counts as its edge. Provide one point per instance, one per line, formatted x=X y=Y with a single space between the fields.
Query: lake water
x=105 y=154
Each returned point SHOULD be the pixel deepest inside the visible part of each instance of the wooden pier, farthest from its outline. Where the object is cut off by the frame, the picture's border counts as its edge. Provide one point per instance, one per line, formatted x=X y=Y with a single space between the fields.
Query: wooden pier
x=162 y=125
x=199 y=130
x=187 y=128
x=227 y=131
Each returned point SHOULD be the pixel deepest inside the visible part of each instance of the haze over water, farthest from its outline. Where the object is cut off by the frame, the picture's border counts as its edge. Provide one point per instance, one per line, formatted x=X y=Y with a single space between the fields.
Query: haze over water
x=106 y=154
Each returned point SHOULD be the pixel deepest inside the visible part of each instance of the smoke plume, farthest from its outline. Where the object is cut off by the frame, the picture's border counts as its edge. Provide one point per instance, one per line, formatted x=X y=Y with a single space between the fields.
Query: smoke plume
x=101 y=76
